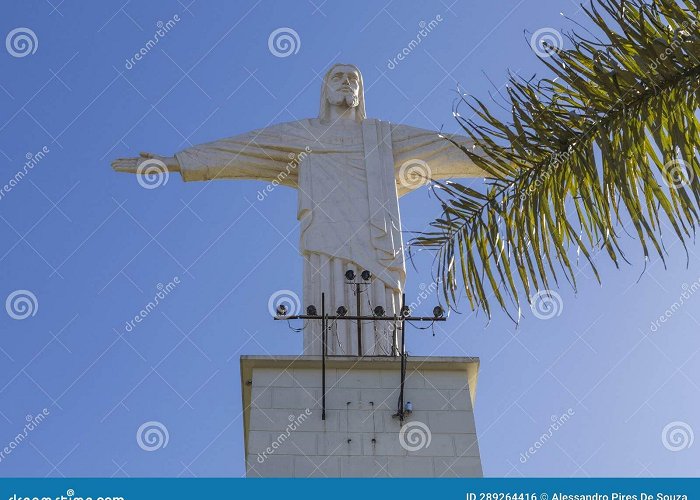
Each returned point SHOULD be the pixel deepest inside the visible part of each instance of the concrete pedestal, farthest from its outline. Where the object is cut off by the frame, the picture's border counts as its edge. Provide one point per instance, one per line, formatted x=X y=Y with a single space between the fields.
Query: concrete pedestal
x=285 y=435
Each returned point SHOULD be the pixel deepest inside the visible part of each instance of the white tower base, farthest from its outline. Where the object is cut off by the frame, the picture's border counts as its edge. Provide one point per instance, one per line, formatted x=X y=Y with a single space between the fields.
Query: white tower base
x=285 y=435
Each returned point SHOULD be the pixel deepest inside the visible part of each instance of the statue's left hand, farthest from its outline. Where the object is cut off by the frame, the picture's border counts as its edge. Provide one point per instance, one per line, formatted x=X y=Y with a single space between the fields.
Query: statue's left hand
x=131 y=165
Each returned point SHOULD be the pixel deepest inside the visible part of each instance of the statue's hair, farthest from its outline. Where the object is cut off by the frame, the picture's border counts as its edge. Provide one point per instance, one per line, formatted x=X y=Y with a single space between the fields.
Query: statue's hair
x=324 y=112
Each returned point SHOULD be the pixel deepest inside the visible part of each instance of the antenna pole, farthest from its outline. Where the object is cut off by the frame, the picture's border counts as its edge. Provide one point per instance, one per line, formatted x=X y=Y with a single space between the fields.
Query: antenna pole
x=403 y=355
x=324 y=321
x=394 y=337
x=359 y=321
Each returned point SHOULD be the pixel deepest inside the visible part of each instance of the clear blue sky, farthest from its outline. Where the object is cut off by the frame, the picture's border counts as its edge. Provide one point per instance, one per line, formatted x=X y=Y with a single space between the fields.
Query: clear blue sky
x=92 y=245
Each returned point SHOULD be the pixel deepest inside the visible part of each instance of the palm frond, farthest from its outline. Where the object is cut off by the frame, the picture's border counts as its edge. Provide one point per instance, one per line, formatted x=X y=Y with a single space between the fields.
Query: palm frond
x=609 y=141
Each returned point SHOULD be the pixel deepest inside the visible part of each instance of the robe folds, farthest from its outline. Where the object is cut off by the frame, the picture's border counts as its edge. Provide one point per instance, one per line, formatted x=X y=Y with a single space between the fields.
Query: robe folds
x=349 y=177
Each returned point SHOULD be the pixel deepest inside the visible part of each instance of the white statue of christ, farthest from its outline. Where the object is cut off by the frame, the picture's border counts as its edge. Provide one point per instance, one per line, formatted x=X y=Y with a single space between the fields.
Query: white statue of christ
x=351 y=172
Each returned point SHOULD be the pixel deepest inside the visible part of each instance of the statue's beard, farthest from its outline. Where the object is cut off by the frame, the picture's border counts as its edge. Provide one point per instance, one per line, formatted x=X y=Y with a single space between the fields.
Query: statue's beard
x=338 y=98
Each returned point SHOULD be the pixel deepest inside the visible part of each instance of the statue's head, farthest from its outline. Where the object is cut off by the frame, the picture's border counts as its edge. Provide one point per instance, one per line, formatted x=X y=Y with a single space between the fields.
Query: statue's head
x=342 y=86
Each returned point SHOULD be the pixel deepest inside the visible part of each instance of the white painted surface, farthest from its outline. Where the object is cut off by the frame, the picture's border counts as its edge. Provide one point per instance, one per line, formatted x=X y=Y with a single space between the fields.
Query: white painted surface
x=349 y=171
x=359 y=437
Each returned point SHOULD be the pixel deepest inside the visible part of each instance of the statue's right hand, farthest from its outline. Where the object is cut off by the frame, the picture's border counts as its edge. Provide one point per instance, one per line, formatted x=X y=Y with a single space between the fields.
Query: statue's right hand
x=131 y=165
x=128 y=165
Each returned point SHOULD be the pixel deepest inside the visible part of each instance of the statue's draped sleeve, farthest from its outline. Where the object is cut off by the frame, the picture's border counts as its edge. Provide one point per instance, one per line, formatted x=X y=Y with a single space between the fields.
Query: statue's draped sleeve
x=268 y=154
x=444 y=159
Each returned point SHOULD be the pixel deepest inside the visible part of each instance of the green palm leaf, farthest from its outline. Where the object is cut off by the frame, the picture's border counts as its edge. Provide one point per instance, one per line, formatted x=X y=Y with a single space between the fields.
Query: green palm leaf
x=608 y=145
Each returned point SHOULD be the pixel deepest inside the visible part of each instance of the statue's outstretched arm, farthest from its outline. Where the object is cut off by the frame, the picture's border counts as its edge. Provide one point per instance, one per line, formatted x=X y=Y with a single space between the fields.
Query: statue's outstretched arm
x=429 y=153
x=268 y=154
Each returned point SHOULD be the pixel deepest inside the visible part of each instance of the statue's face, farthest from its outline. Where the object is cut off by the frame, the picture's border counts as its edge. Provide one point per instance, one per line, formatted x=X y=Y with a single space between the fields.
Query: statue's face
x=343 y=86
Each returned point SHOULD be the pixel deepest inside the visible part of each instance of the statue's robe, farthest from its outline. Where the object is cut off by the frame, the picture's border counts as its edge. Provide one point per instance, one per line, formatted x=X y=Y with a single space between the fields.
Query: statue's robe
x=348 y=185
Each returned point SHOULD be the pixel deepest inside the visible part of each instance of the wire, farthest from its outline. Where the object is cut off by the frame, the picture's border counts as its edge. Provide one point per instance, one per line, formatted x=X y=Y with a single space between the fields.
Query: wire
x=431 y=325
x=340 y=344
x=376 y=336
x=294 y=328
